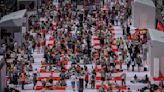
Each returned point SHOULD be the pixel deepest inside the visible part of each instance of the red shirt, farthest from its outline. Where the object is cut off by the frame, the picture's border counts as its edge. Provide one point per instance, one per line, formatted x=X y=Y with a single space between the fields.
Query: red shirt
x=38 y=44
x=86 y=76
x=43 y=31
x=43 y=43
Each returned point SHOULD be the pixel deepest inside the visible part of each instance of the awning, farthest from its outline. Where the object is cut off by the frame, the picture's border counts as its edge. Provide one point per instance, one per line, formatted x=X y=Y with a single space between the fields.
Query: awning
x=13 y=19
x=145 y=2
x=156 y=35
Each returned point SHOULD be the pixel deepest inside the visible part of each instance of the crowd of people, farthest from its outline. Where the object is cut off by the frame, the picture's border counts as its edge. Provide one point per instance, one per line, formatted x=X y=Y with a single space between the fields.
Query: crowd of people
x=71 y=30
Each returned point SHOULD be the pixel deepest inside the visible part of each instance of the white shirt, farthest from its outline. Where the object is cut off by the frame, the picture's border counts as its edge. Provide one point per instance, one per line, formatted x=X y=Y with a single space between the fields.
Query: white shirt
x=75 y=28
x=15 y=44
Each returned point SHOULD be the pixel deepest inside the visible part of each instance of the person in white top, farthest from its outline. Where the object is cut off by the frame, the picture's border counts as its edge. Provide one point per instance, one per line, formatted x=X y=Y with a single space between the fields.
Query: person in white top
x=73 y=79
x=15 y=46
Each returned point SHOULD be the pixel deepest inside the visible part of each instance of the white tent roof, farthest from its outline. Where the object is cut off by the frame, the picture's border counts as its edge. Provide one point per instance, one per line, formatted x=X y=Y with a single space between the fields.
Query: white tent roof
x=13 y=15
x=145 y=2
x=7 y=19
x=156 y=35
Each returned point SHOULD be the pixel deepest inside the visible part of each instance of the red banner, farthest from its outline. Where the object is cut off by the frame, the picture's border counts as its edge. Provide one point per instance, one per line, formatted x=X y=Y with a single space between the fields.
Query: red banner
x=160 y=26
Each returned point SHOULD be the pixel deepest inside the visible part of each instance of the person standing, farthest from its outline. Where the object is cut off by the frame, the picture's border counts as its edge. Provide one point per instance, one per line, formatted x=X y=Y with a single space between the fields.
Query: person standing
x=73 y=78
x=33 y=45
x=123 y=76
x=86 y=79
x=133 y=65
x=93 y=77
x=102 y=75
x=128 y=31
x=128 y=61
x=81 y=84
x=43 y=45
x=34 y=79
x=23 y=78
x=15 y=78
x=43 y=32
x=38 y=46
x=139 y=62
x=77 y=82
x=133 y=61
x=116 y=20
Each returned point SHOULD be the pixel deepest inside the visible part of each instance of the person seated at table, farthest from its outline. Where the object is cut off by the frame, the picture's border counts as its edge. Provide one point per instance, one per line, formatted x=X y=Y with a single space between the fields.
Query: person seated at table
x=150 y=88
x=58 y=83
x=102 y=89
x=51 y=81
x=116 y=84
x=44 y=82
x=109 y=87
x=109 y=75
x=145 y=80
x=49 y=84
x=135 y=79
x=61 y=83
x=113 y=70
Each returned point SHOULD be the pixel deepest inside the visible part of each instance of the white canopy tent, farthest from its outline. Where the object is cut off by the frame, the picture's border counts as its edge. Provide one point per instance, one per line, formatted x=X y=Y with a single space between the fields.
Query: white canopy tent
x=12 y=24
x=143 y=14
x=13 y=19
x=156 y=52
